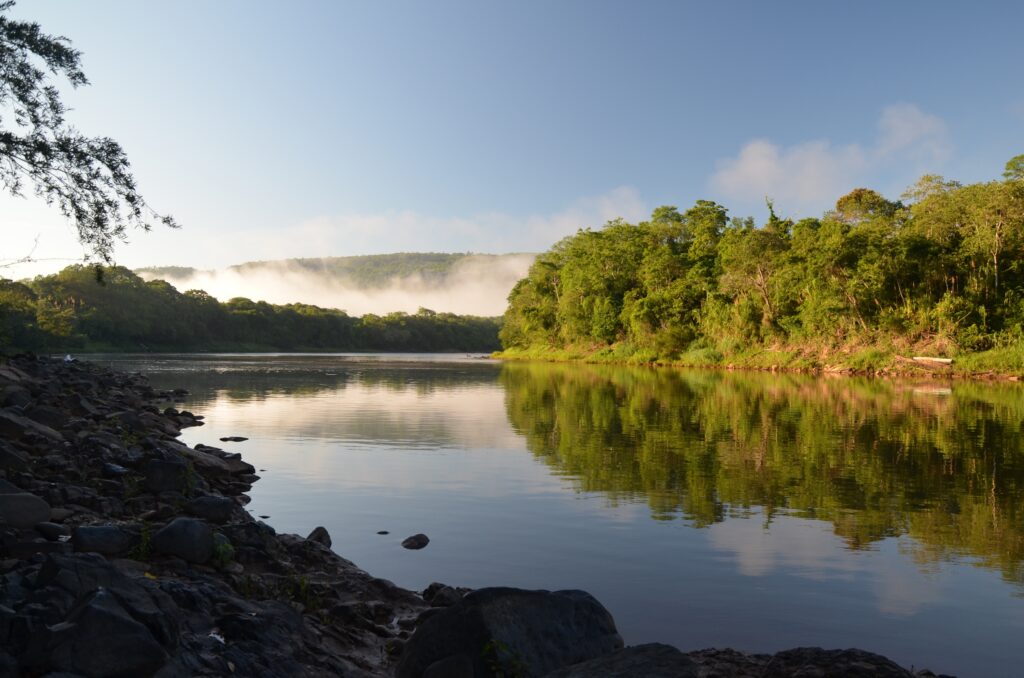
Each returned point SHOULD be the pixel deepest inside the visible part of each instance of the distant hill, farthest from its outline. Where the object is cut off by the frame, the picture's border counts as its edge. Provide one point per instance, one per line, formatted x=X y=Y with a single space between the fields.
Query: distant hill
x=469 y=283
x=363 y=272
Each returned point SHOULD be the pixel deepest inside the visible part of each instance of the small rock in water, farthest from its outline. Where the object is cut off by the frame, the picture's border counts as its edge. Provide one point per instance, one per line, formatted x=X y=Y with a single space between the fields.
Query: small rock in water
x=320 y=536
x=233 y=439
x=416 y=541
x=264 y=517
x=383 y=532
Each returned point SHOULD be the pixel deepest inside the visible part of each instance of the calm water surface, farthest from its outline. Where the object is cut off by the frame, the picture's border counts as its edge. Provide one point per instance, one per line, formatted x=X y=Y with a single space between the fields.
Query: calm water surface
x=702 y=508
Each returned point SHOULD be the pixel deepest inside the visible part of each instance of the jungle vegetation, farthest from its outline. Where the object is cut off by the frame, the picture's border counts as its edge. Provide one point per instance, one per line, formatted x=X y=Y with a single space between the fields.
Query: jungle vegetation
x=77 y=309
x=940 y=272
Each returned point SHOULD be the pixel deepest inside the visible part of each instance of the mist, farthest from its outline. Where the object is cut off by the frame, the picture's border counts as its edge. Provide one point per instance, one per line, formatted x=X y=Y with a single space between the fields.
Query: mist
x=474 y=286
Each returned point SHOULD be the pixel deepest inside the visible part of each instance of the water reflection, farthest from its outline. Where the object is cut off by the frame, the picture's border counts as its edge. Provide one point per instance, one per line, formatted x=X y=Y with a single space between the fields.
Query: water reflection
x=876 y=459
x=786 y=510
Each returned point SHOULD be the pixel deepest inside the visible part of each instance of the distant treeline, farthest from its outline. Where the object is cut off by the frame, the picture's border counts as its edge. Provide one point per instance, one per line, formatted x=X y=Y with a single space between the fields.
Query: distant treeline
x=113 y=308
x=942 y=271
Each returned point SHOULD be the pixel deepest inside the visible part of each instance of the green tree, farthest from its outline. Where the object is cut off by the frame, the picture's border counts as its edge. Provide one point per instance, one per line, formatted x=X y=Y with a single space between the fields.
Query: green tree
x=1014 y=168
x=88 y=178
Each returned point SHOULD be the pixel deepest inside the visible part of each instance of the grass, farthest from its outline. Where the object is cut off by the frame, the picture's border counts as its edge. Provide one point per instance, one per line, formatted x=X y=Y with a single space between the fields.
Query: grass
x=886 y=357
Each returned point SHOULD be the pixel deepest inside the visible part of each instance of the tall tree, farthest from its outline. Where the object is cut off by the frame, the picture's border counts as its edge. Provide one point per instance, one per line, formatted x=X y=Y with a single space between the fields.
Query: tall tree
x=88 y=178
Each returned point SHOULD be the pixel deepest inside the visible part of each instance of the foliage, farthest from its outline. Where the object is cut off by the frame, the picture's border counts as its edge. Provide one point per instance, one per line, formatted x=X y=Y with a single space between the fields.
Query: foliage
x=943 y=272
x=88 y=178
x=69 y=310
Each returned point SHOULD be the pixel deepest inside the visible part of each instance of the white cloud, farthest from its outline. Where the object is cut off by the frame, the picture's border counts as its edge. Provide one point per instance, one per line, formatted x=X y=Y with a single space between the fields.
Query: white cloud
x=809 y=176
x=327 y=235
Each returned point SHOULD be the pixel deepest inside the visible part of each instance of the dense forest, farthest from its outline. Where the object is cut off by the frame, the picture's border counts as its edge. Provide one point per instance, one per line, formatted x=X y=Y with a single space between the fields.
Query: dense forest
x=77 y=309
x=941 y=272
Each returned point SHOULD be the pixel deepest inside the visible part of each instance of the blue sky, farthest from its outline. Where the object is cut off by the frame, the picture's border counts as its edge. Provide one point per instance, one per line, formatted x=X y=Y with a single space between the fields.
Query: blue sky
x=331 y=128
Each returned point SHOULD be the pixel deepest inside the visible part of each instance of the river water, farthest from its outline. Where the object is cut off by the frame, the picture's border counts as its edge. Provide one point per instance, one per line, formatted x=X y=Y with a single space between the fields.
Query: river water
x=757 y=511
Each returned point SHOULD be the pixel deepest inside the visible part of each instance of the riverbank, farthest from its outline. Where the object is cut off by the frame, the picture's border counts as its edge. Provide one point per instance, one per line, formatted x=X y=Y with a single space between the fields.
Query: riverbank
x=126 y=552
x=882 y=361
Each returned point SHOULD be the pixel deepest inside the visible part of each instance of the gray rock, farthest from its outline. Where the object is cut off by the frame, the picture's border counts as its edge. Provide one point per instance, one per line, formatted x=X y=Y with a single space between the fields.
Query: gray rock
x=15 y=427
x=23 y=510
x=653 y=660
x=185 y=538
x=814 y=661
x=12 y=459
x=214 y=509
x=100 y=638
x=166 y=476
x=51 y=531
x=320 y=536
x=15 y=396
x=233 y=439
x=516 y=632
x=108 y=540
x=445 y=596
x=7 y=487
x=455 y=666
x=416 y=541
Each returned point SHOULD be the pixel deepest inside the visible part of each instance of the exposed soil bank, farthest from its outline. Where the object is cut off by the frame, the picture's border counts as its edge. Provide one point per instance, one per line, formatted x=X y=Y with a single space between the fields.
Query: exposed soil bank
x=124 y=552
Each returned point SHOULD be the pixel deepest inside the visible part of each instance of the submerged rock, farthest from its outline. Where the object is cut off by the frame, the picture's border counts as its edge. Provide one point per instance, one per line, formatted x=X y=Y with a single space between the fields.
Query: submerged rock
x=416 y=541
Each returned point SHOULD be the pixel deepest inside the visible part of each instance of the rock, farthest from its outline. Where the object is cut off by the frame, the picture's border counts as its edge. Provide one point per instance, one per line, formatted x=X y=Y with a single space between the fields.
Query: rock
x=446 y=596
x=108 y=540
x=185 y=538
x=416 y=541
x=12 y=459
x=214 y=509
x=513 y=631
x=455 y=666
x=808 y=662
x=383 y=532
x=100 y=638
x=111 y=470
x=15 y=396
x=7 y=487
x=652 y=660
x=51 y=531
x=15 y=427
x=60 y=514
x=166 y=476
x=320 y=536
x=23 y=510
x=233 y=439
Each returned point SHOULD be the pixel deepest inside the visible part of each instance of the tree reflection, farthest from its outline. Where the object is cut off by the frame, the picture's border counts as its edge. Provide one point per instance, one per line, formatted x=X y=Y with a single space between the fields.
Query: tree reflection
x=943 y=464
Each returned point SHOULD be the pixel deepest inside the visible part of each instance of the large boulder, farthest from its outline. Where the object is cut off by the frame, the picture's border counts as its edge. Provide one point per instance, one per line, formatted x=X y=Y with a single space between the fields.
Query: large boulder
x=23 y=510
x=166 y=476
x=185 y=538
x=652 y=660
x=109 y=540
x=101 y=639
x=511 y=631
x=215 y=509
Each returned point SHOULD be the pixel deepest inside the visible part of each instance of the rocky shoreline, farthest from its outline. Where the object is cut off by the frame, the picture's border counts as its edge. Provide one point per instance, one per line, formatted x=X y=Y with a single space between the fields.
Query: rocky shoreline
x=125 y=552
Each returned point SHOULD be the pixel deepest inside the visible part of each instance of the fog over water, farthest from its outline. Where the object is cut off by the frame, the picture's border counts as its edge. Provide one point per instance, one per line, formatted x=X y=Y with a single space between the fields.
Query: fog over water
x=473 y=286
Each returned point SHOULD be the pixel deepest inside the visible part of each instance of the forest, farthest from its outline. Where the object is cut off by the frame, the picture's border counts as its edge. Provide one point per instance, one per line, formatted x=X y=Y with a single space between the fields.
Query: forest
x=112 y=308
x=940 y=273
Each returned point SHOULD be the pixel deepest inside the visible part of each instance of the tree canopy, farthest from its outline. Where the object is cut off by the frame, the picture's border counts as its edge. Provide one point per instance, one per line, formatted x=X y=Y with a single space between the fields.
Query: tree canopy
x=942 y=272
x=88 y=179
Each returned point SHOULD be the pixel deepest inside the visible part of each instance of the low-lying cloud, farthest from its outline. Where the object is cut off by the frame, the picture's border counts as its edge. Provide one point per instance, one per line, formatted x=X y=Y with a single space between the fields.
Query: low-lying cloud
x=476 y=285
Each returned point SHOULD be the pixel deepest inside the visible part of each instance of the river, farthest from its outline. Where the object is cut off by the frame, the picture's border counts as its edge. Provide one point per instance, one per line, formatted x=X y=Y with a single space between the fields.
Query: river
x=757 y=511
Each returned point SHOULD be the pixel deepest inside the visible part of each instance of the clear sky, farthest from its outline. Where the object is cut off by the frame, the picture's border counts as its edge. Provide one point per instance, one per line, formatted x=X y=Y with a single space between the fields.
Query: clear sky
x=321 y=128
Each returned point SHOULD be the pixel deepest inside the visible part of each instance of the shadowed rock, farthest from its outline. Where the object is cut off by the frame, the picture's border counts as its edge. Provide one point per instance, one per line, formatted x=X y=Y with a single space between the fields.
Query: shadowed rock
x=513 y=631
